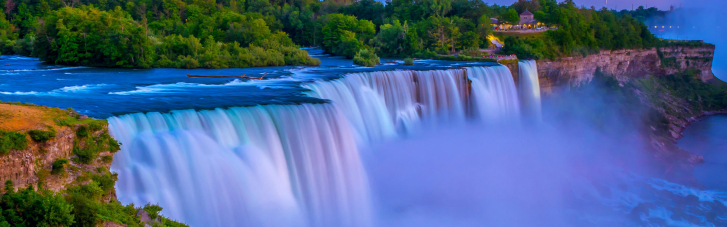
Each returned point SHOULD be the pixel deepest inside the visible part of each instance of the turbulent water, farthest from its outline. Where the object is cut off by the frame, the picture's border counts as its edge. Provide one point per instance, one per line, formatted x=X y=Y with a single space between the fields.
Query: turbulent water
x=278 y=165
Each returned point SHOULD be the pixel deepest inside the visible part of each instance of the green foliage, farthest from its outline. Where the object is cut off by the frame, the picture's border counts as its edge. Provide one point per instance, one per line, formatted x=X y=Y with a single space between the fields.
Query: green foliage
x=82 y=131
x=581 y=32
x=59 y=166
x=79 y=205
x=408 y=61
x=42 y=136
x=530 y=48
x=366 y=57
x=12 y=141
x=30 y=208
x=511 y=16
x=669 y=62
x=700 y=95
x=153 y=210
x=253 y=33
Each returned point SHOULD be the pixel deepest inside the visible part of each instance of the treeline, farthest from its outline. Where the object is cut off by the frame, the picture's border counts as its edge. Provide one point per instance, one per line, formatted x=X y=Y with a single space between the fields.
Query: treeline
x=246 y=33
x=580 y=31
x=87 y=35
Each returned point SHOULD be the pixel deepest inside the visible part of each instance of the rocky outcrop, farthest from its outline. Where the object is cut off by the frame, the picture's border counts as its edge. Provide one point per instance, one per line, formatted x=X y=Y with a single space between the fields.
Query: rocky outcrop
x=22 y=166
x=35 y=163
x=625 y=64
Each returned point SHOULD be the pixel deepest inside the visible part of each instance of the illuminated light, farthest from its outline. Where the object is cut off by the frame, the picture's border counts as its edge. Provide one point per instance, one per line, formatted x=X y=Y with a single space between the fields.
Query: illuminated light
x=662 y=26
x=654 y=26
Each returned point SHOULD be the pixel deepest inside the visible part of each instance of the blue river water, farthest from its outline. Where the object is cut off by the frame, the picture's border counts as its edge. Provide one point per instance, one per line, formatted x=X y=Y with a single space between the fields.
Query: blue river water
x=103 y=92
x=708 y=137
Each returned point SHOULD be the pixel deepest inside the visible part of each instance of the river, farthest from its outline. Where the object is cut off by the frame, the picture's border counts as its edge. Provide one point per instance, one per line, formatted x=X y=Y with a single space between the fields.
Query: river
x=708 y=137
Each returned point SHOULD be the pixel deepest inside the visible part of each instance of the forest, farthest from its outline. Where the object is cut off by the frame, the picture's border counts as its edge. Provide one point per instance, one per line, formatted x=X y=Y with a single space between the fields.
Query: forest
x=252 y=33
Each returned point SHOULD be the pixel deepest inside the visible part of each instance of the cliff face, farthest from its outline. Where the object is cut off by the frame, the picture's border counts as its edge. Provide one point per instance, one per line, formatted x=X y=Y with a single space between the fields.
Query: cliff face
x=625 y=64
x=34 y=163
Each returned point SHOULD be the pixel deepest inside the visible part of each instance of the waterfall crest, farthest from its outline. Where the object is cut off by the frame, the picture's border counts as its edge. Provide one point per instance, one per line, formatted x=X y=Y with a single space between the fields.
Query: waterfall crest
x=271 y=165
x=529 y=88
x=381 y=105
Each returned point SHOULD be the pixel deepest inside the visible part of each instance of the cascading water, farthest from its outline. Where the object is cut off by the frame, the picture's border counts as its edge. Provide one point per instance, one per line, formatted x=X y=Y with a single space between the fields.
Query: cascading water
x=529 y=89
x=270 y=165
x=494 y=94
x=293 y=165
x=380 y=104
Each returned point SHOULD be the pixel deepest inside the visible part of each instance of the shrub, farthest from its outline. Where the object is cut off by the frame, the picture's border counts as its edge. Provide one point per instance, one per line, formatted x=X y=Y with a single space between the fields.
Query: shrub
x=408 y=61
x=95 y=126
x=85 y=156
x=41 y=136
x=59 y=166
x=366 y=57
x=12 y=141
x=82 y=131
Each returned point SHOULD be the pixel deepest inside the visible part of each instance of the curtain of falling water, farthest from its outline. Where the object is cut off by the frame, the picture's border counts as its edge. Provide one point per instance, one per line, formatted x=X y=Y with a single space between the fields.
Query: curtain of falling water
x=529 y=89
x=293 y=165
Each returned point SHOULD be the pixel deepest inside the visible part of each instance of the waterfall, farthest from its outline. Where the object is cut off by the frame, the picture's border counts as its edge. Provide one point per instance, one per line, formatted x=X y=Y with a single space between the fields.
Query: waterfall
x=293 y=165
x=381 y=105
x=494 y=95
x=529 y=88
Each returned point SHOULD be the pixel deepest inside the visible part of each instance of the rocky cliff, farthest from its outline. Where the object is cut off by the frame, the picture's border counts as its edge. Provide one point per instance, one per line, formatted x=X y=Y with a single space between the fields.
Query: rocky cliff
x=625 y=64
x=35 y=163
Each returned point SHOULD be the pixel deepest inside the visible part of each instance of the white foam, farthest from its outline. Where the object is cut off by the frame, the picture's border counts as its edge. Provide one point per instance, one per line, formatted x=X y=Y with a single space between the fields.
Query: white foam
x=175 y=87
x=59 y=91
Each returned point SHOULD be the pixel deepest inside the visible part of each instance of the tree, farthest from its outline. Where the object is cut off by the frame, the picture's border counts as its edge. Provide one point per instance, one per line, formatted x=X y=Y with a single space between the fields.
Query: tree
x=511 y=16
x=345 y=35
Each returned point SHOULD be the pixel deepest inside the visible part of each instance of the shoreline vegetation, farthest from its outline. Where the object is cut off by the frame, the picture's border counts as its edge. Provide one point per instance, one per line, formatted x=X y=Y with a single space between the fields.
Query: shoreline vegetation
x=256 y=33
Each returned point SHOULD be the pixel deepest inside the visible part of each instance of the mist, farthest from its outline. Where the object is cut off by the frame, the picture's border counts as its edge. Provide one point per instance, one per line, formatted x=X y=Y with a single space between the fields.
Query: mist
x=567 y=170
x=702 y=20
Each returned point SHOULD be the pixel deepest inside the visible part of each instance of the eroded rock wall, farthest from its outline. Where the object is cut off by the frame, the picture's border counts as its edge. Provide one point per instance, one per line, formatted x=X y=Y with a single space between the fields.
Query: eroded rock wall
x=625 y=64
